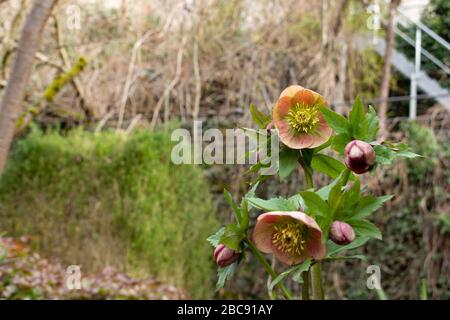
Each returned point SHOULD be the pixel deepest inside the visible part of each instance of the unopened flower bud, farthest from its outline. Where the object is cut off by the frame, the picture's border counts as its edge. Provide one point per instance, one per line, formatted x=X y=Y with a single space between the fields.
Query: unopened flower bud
x=225 y=256
x=359 y=156
x=341 y=233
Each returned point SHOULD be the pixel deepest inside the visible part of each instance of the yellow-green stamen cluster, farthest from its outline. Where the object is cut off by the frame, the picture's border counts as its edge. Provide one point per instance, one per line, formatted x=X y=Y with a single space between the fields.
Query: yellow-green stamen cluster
x=303 y=118
x=290 y=238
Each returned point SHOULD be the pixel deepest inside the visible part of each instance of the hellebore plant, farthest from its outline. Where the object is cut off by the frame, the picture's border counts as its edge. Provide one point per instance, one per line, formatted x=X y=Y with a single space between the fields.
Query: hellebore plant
x=318 y=224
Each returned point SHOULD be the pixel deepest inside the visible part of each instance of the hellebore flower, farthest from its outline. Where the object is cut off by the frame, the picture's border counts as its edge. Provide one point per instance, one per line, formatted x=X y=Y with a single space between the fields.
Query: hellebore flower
x=359 y=156
x=225 y=256
x=291 y=236
x=341 y=233
x=298 y=119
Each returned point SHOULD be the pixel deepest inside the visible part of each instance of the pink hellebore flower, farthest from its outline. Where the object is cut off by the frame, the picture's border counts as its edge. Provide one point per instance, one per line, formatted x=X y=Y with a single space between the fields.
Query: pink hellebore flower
x=291 y=236
x=298 y=119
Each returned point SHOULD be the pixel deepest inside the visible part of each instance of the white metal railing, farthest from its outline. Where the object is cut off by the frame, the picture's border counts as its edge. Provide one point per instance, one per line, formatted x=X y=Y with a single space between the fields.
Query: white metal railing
x=417 y=44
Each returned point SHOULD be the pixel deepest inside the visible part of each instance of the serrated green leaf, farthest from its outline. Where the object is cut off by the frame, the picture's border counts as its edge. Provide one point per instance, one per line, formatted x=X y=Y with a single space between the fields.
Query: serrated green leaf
x=369 y=204
x=358 y=121
x=298 y=202
x=356 y=256
x=336 y=121
x=327 y=165
x=373 y=124
x=259 y=118
x=288 y=162
x=236 y=209
x=339 y=142
x=215 y=238
x=365 y=228
x=280 y=277
x=385 y=155
x=303 y=267
x=225 y=274
x=275 y=204
x=297 y=270
x=232 y=237
x=334 y=248
x=315 y=205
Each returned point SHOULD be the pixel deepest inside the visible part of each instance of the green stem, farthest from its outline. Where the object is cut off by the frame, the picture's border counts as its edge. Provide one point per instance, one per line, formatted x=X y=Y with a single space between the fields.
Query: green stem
x=305 y=287
x=316 y=269
x=268 y=268
x=316 y=277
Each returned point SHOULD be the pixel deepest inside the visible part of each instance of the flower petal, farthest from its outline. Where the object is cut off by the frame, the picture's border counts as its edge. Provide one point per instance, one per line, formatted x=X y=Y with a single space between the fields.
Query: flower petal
x=282 y=108
x=264 y=228
x=316 y=248
x=323 y=132
x=300 y=141
x=290 y=91
x=305 y=96
x=287 y=258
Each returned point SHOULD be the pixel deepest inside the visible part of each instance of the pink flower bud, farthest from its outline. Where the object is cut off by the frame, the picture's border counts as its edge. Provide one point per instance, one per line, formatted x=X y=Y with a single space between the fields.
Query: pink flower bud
x=341 y=233
x=225 y=256
x=359 y=156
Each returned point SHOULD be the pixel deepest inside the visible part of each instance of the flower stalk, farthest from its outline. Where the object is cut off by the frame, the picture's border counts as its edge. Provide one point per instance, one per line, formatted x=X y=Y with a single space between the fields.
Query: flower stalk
x=268 y=268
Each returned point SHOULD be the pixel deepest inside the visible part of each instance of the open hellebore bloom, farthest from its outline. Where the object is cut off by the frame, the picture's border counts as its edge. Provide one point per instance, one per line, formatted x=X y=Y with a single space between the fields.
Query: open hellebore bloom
x=291 y=236
x=225 y=256
x=359 y=156
x=298 y=119
x=341 y=233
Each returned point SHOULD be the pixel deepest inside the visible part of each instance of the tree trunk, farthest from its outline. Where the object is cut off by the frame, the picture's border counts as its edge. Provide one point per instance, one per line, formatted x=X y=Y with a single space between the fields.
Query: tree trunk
x=384 y=95
x=10 y=105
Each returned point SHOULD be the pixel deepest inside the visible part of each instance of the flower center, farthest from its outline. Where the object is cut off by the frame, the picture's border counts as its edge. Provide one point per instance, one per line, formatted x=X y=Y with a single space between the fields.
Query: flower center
x=290 y=238
x=303 y=118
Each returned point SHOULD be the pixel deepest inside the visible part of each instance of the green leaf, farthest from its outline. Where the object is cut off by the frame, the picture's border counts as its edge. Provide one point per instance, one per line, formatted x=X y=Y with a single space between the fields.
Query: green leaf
x=385 y=155
x=288 y=162
x=232 y=237
x=229 y=199
x=275 y=204
x=337 y=122
x=298 y=202
x=297 y=276
x=358 y=121
x=369 y=204
x=281 y=277
x=315 y=205
x=339 y=142
x=356 y=256
x=327 y=165
x=365 y=228
x=324 y=192
x=259 y=118
x=245 y=215
x=373 y=126
x=334 y=248
x=215 y=238
x=298 y=269
x=225 y=274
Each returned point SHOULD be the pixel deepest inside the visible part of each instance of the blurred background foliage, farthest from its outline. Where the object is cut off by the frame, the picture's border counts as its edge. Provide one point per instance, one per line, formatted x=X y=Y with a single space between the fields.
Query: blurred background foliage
x=99 y=199
x=91 y=181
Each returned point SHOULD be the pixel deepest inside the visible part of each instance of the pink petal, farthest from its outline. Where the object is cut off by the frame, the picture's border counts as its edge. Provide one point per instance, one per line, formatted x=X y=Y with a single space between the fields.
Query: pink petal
x=305 y=96
x=287 y=258
x=315 y=247
x=262 y=234
x=291 y=91
x=282 y=108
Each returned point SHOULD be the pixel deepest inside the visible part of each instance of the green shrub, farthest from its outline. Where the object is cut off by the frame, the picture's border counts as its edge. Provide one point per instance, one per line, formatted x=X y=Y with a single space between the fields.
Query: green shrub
x=108 y=199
